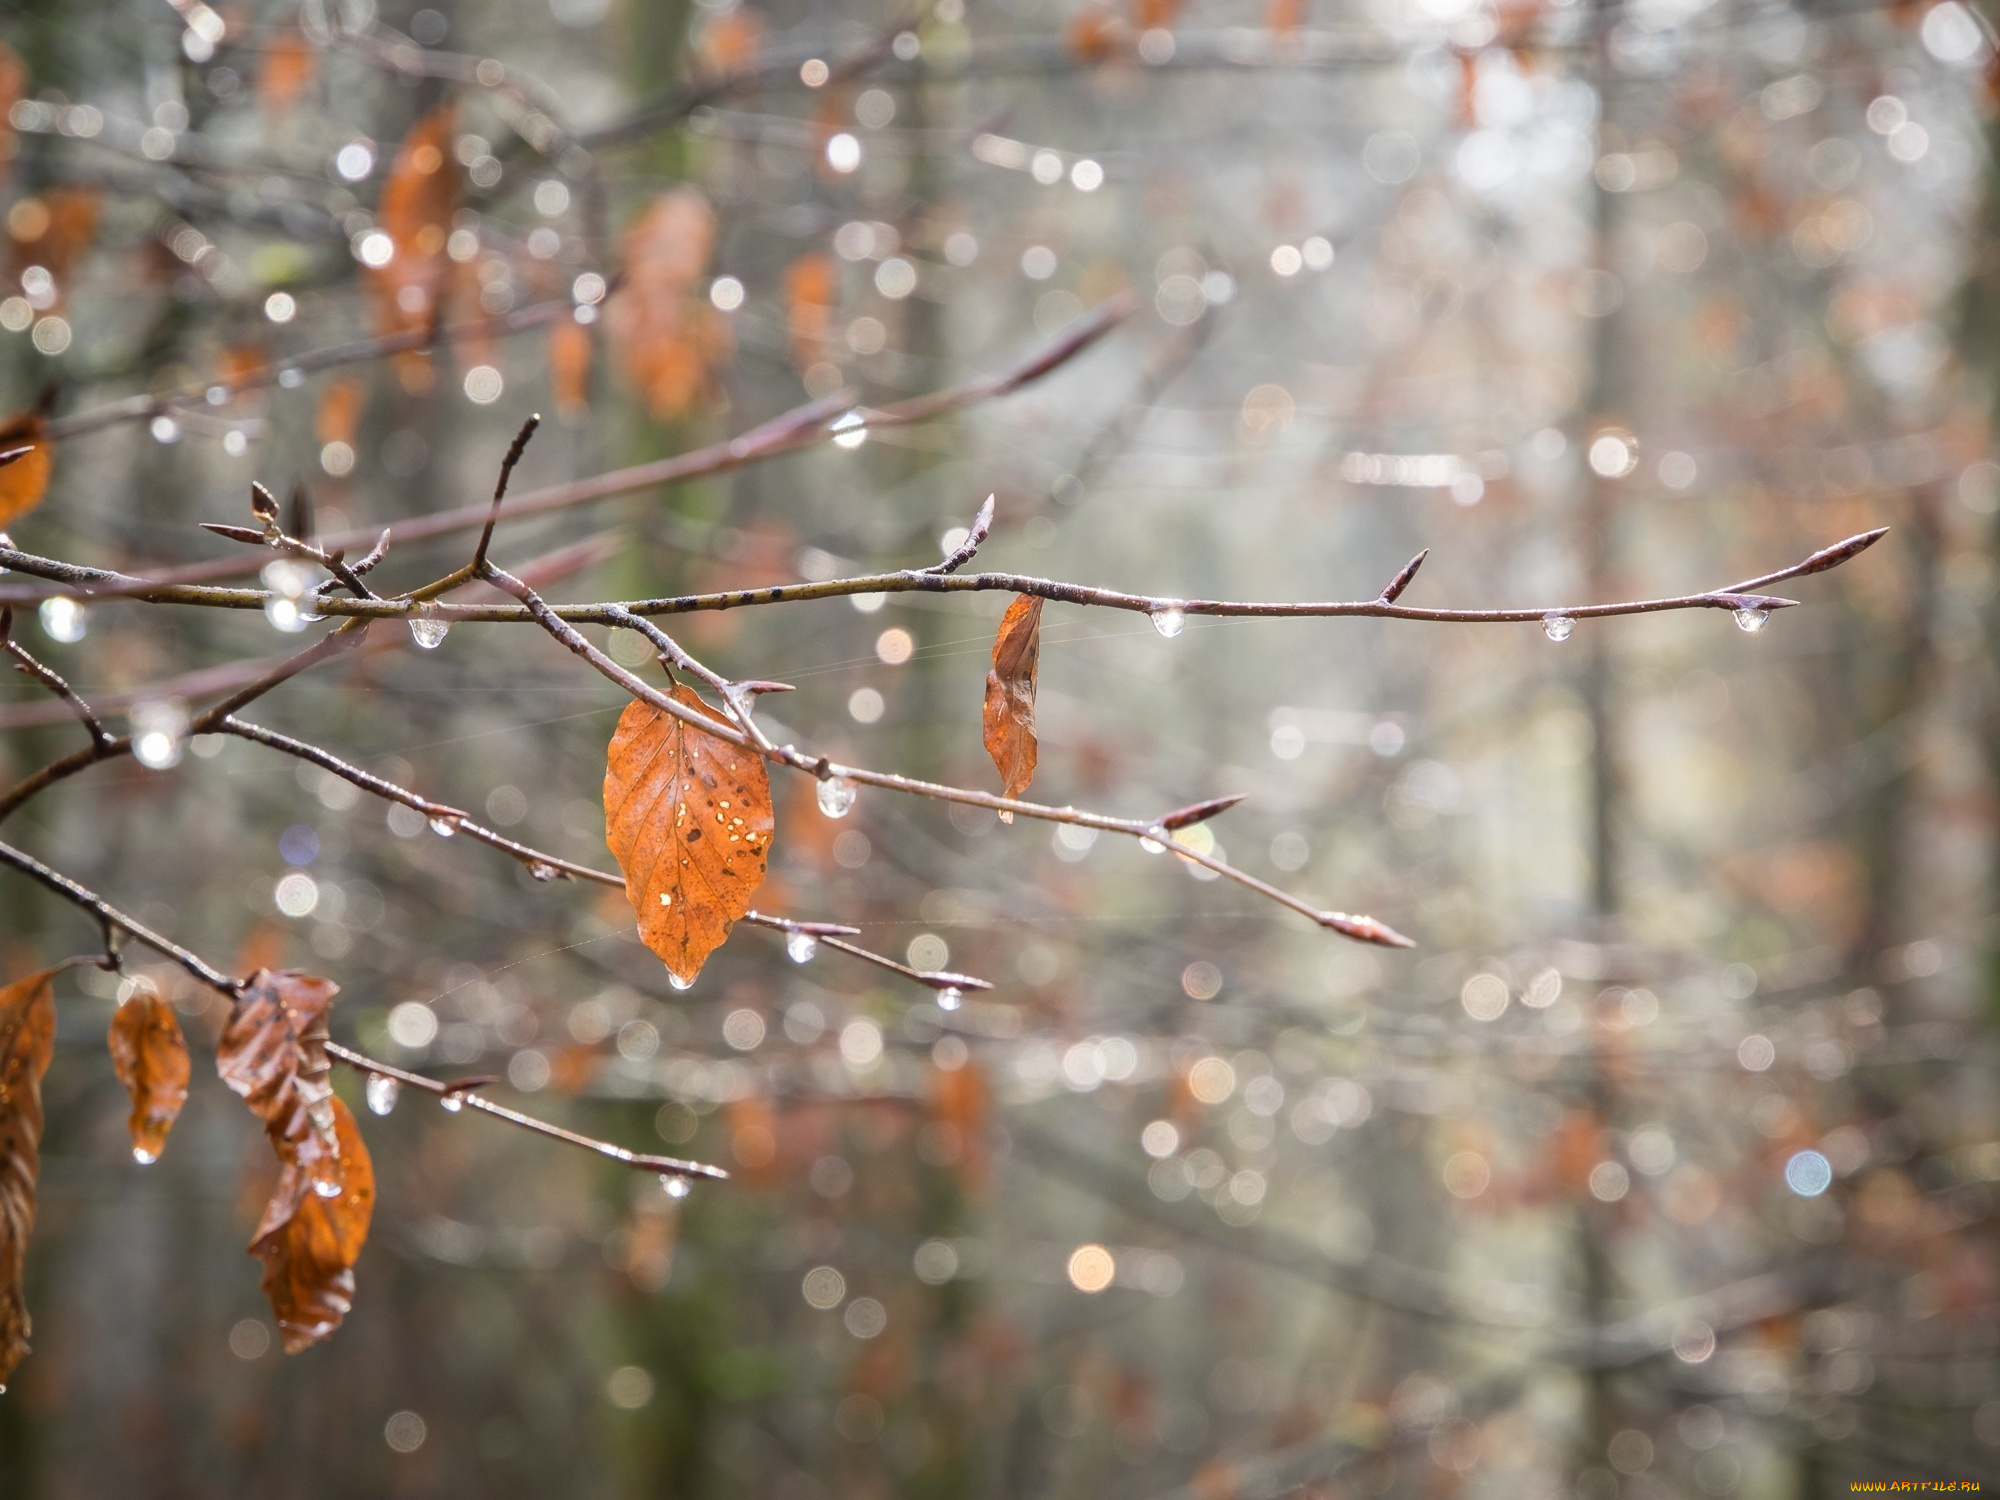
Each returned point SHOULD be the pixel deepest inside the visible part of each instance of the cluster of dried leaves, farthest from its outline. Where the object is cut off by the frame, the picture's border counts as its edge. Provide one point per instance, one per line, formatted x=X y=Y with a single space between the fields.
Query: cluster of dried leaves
x=273 y=1053
x=689 y=818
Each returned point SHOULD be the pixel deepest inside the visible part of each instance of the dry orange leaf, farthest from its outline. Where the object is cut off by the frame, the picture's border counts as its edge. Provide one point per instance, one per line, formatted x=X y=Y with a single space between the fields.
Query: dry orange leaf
x=24 y=481
x=688 y=818
x=660 y=327
x=1009 y=717
x=273 y=1053
x=310 y=1238
x=1093 y=36
x=150 y=1057
x=569 y=366
x=27 y=1043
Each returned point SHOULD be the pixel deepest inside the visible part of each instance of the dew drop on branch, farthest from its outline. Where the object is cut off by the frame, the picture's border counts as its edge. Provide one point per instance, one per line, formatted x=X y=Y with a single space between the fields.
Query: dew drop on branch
x=1557 y=627
x=950 y=998
x=836 y=796
x=542 y=872
x=428 y=631
x=1169 y=619
x=444 y=828
x=1752 y=618
x=451 y=1104
x=801 y=946
x=382 y=1093
x=676 y=1186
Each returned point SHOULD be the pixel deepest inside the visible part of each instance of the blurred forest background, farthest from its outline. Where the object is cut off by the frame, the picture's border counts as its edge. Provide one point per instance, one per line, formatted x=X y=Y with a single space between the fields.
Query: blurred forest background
x=1665 y=1164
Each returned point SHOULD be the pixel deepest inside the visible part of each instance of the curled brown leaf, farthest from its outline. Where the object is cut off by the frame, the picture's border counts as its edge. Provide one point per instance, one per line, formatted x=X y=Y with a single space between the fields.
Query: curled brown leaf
x=150 y=1057
x=688 y=818
x=313 y=1230
x=273 y=1053
x=1009 y=717
x=27 y=1043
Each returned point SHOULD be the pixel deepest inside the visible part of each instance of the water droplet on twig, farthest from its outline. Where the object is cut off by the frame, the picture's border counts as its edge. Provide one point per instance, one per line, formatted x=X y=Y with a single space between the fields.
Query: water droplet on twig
x=143 y=1157
x=950 y=998
x=444 y=827
x=382 y=1093
x=451 y=1104
x=836 y=796
x=1557 y=627
x=427 y=630
x=801 y=946
x=1751 y=618
x=542 y=872
x=676 y=1185
x=1169 y=619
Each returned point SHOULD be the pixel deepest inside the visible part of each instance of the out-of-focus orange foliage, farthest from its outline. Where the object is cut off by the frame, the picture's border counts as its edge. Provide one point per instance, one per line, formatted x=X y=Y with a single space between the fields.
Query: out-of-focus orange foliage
x=753 y=1139
x=287 y=72
x=339 y=416
x=667 y=337
x=959 y=1099
x=569 y=366
x=811 y=285
x=1284 y=17
x=1575 y=1147
x=1093 y=36
x=1154 y=15
x=731 y=42
x=52 y=231
x=240 y=364
x=416 y=209
x=13 y=84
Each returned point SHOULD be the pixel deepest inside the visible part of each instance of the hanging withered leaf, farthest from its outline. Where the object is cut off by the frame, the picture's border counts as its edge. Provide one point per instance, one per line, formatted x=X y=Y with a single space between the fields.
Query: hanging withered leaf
x=273 y=1053
x=312 y=1233
x=27 y=1042
x=1009 y=718
x=150 y=1057
x=24 y=480
x=688 y=818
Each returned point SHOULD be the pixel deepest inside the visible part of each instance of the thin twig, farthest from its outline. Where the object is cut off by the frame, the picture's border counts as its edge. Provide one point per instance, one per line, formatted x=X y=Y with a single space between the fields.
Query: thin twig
x=49 y=678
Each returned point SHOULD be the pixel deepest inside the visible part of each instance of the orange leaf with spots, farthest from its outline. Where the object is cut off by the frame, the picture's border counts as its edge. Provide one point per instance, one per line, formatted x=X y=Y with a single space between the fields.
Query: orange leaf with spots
x=24 y=481
x=1009 y=717
x=310 y=1237
x=688 y=818
x=150 y=1057
x=27 y=1043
